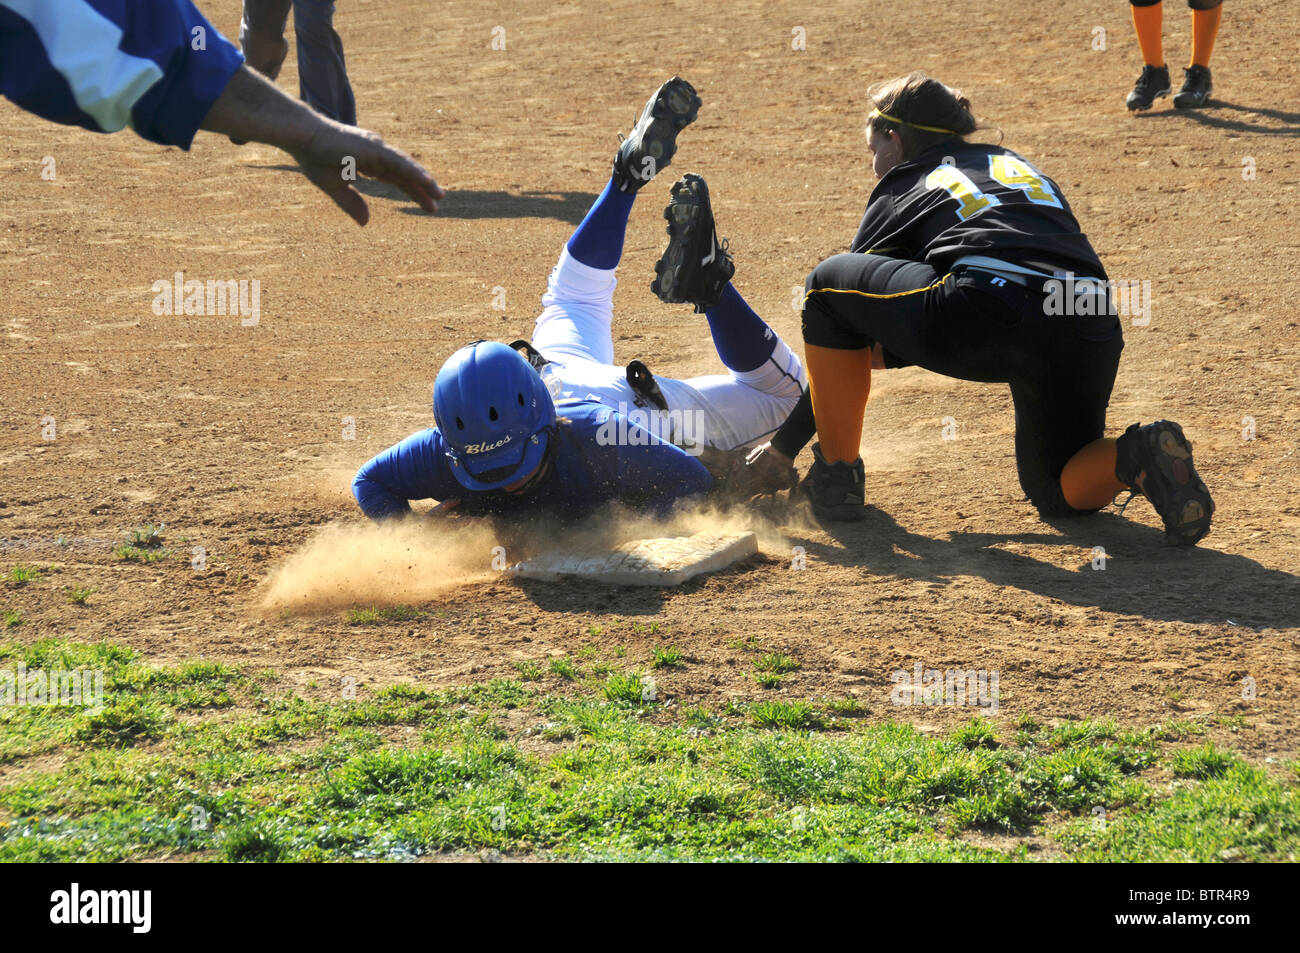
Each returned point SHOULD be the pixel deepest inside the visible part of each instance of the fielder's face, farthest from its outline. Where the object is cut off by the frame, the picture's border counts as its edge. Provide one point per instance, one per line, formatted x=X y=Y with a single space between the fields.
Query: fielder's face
x=886 y=150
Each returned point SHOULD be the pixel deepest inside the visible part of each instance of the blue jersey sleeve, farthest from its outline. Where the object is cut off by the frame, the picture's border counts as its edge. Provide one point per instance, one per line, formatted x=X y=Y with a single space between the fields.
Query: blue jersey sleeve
x=158 y=65
x=415 y=469
x=654 y=474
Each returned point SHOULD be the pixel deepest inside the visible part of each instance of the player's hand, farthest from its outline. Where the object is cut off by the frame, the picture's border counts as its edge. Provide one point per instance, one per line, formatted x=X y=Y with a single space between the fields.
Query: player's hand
x=337 y=153
x=263 y=52
x=329 y=153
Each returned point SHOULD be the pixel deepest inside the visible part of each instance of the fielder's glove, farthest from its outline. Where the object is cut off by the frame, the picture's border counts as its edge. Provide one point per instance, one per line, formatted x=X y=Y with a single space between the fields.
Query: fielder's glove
x=744 y=473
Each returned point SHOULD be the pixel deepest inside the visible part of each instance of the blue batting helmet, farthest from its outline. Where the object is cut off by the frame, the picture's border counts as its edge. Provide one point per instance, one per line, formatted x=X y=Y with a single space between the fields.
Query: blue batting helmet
x=494 y=413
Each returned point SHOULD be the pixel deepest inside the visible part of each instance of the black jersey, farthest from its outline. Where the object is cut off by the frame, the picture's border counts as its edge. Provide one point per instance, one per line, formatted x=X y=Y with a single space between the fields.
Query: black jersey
x=963 y=199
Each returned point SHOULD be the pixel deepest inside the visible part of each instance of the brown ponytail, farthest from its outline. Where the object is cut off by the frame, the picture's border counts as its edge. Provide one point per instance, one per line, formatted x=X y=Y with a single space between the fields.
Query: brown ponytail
x=921 y=110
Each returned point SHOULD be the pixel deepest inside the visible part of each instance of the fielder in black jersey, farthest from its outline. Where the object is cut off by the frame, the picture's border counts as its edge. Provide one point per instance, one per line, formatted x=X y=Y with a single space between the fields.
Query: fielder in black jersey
x=960 y=254
x=959 y=199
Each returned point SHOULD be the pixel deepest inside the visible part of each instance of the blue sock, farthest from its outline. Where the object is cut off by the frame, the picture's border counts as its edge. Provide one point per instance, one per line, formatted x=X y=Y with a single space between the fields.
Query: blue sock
x=598 y=241
x=742 y=339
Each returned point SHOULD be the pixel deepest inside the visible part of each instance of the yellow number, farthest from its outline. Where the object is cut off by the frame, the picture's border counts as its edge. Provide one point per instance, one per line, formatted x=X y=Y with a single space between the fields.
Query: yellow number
x=1017 y=174
x=957 y=184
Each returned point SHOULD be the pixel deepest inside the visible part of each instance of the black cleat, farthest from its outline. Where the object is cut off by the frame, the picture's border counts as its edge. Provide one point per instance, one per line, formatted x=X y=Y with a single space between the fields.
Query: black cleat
x=837 y=491
x=1156 y=461
x=695 y=267
x=653 y=141
x=1151 y=85
x=1196 y=88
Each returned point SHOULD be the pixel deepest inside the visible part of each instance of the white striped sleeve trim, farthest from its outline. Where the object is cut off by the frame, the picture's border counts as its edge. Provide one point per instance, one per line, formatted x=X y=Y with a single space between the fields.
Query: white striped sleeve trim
x=82 y=45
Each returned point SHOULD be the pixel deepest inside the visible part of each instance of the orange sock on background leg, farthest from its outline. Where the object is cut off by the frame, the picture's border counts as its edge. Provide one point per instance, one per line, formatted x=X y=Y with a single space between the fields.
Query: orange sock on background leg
x=840 y=382
x=1149 y=23
x=1088 y=480
x=1205 y=29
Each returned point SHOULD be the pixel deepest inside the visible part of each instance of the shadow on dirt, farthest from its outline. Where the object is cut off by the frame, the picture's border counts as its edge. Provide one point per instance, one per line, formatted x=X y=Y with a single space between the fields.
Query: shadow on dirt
x=568 y=207
x=1143 y=576
x=577 y=596
x=1209 y=116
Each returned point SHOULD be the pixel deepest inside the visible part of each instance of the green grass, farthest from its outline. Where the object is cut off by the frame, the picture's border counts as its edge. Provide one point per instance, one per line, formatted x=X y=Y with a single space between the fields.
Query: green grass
x=1207 y=761
x=844 y=707
x=79 y=594
x=378 y=616
x=148 y=536
x=792 y=715
x=564 y=668
x=138 y=554
x=21 y=575
x=976 y=733
x=668 y=657
x=408 y=771
x=529 y=671
x=768 y=679
x=627 y=687
x=776 y=663
x=13 y=618
x=144 y=544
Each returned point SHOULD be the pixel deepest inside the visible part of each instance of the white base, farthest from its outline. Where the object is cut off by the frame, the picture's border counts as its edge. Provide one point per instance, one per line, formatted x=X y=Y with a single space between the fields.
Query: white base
x=668 y=561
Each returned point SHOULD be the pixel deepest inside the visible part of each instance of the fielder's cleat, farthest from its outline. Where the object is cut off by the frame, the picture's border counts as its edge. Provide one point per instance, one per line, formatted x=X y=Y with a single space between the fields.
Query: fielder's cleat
x=1196 y=88
x=653 y=141
x=1151 y=85
x=1156 y=461
x=695 y=267
x=837 y=491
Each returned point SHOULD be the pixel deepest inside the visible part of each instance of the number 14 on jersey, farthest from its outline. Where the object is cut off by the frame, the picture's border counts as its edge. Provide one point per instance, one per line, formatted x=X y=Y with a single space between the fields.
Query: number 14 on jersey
x=1013 y=172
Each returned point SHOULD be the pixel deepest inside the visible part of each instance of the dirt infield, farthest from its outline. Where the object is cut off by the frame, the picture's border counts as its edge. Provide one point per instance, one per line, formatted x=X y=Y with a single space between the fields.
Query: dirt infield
x=243 y=439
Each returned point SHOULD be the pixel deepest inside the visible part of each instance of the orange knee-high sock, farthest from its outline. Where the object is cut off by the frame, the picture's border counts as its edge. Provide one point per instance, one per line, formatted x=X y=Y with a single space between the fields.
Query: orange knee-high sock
x=1088 y=480
x=840 y=382
x=1149 y=23
x=1205 y=29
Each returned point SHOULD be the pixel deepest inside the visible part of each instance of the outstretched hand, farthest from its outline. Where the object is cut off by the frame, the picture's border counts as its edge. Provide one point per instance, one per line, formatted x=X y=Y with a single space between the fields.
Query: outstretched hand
x=329 y=153
x=336 y=154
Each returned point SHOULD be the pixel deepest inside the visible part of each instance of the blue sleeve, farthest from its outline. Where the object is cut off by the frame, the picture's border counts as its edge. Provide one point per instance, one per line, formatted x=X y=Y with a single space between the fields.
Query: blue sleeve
x=158 y=65
x=415 y=469
x=656 y=474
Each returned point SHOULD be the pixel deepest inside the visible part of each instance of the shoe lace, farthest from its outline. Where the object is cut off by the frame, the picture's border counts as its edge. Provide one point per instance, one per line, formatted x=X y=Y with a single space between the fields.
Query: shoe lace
x=1149 y=75
x=1127 y=500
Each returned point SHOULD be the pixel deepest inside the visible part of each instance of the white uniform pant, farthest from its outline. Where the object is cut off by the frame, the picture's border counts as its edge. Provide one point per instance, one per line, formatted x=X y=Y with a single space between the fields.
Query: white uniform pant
x=723 y=411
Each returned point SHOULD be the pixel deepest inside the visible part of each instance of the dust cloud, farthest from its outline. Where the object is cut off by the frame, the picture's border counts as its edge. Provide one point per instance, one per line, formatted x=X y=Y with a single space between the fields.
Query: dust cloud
x=414 y=560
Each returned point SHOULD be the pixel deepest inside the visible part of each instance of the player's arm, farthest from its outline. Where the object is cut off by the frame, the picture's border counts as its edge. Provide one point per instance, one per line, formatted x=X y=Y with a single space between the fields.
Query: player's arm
x=162 y=68
x=253 y=108
x=157 y=65
x=415 y=469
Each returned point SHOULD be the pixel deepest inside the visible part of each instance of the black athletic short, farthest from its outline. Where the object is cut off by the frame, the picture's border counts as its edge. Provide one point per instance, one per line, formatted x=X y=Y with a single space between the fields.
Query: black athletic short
x=975 y=326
